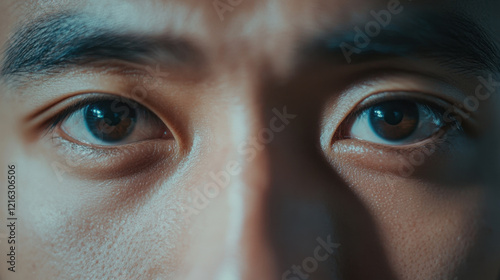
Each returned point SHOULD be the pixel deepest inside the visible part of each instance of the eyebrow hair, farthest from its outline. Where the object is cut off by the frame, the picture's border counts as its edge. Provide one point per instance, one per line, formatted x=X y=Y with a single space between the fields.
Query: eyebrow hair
x=451 y=39
x=54 y=42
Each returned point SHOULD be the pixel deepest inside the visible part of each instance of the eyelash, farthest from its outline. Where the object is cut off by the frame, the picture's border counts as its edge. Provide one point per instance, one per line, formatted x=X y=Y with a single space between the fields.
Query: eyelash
x=344 y=127
x=69 y=146
x=373 y=100
x=70 y=110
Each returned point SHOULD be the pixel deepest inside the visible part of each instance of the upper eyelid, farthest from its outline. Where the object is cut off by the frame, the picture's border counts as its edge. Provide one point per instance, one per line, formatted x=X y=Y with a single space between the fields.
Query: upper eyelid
x=394 y=95
x=85 y=101
x=377 y=98
x=420 y=97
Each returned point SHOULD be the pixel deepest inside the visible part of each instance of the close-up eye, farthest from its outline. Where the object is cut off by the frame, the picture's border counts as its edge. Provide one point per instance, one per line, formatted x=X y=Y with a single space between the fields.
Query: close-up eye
x=396 y=121
x=111 y=122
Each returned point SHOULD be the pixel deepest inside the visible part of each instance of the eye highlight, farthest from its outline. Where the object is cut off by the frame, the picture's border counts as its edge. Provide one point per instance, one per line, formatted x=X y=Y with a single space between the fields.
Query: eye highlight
x=110 y=121
x=110 y=124
x=395 y=121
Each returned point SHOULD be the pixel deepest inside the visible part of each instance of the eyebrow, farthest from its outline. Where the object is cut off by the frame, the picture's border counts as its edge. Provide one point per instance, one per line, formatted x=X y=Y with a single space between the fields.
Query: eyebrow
x=451 y=39
x=54 y=42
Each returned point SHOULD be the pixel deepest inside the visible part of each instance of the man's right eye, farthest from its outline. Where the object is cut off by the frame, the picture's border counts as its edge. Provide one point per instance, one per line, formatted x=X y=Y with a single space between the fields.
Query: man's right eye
x=111 y=121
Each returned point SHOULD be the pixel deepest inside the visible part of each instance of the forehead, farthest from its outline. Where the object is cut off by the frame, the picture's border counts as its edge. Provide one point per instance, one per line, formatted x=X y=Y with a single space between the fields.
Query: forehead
x=232 y=31
x=223 y=20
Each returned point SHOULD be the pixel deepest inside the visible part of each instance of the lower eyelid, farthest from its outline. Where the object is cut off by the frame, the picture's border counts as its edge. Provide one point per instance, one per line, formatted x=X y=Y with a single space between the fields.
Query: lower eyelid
x=389 y=159
x=87 y=162
x=69 y=146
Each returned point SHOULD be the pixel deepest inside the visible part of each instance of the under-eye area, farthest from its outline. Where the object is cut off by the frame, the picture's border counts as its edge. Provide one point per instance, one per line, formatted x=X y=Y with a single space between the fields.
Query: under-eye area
x=107 y=135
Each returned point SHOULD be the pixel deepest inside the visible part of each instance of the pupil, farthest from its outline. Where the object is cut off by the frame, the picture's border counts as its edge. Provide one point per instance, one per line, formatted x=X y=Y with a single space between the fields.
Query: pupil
x=394 y=120
x=110 y=120
x=393 y=117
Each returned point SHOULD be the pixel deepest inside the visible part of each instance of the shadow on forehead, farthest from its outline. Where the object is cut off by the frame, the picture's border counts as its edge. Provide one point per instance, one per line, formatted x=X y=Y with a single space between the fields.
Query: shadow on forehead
x=57 y=41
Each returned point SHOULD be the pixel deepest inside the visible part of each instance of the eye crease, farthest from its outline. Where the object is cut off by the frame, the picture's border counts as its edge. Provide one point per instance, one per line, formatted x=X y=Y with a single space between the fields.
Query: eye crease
x=110 y=121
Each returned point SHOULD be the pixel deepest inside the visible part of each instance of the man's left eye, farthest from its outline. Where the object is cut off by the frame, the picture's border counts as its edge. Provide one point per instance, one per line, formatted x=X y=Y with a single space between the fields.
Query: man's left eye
x=396 y=122
x=113 y=122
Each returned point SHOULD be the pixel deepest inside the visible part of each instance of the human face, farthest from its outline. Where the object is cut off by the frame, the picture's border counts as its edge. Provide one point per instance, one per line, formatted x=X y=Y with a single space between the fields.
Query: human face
x=250 y=139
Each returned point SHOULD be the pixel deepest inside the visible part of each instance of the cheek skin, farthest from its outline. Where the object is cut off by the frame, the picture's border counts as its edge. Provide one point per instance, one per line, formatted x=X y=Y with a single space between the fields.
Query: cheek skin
x=85 y=229
x=130 y=228
x=425 y=235
x=98 y=237
x=428 y=230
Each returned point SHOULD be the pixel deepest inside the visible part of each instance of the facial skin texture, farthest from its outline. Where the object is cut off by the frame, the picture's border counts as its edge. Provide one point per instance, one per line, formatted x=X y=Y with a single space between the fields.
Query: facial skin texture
x=135 y=211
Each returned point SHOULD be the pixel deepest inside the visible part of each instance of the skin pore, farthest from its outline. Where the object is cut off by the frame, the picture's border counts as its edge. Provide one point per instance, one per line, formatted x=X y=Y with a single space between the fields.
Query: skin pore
x=245 y=158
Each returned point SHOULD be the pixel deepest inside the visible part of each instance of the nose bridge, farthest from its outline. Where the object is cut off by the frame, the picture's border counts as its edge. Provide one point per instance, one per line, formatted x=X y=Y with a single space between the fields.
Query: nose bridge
x=232 y=232
x=274 y=225
x=257 y=152
x=275 y=215
x=284 y=214
x=248 y=196
x=248 y=246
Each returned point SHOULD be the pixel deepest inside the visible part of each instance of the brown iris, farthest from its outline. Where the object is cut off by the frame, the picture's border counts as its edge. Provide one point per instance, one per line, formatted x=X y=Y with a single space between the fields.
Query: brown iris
x=110 y=121
x=394 y=120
